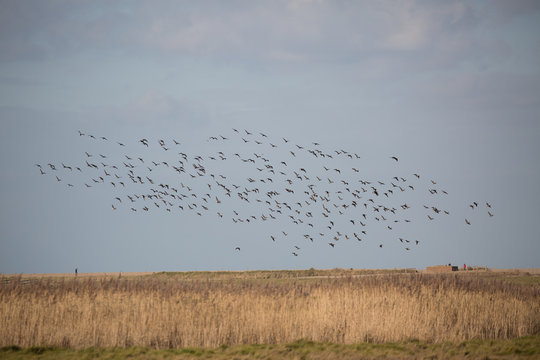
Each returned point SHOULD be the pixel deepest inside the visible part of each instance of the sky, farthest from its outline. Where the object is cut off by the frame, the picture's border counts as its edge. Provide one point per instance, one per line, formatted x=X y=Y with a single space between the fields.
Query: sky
x=451 y=88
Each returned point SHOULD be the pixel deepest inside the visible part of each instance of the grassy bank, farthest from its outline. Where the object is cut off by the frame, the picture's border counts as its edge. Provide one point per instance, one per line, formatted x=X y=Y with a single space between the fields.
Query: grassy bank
x=521 y=348
x=277 y=274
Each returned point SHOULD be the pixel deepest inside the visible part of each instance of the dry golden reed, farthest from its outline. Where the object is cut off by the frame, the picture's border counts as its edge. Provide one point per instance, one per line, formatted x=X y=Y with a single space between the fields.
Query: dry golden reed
x=170 y=313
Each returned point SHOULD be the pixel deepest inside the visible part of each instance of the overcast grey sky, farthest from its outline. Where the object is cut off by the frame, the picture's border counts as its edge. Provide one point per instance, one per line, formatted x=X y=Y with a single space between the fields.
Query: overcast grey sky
x=452 y=88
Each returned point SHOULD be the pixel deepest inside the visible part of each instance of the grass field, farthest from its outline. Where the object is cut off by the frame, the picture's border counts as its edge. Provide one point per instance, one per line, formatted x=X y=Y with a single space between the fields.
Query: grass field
x=336 y=313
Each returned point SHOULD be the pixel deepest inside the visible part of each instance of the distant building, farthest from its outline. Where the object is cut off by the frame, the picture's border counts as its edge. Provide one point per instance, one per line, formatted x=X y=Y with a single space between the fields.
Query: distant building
x=441 y=268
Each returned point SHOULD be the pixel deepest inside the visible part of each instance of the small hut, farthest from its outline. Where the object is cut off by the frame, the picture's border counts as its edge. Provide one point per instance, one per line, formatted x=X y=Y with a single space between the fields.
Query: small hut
x=441 y=268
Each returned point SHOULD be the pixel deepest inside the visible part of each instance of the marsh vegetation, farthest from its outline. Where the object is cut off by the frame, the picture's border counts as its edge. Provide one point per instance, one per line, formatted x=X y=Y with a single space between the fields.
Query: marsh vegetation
x=169 y=310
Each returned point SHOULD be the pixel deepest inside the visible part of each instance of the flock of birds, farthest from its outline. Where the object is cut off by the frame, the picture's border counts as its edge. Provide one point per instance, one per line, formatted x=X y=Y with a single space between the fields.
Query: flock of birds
x=303 y=185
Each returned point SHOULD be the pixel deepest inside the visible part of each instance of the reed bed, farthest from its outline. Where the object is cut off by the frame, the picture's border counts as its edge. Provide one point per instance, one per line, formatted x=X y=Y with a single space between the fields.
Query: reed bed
x=160 y=312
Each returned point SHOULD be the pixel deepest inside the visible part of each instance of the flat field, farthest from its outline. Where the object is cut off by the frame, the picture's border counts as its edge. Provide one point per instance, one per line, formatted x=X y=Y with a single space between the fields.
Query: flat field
x=272 y=314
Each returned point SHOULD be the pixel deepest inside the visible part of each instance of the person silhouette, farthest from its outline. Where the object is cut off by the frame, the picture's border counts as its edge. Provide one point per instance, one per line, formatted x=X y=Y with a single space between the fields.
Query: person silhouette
x=76 y=271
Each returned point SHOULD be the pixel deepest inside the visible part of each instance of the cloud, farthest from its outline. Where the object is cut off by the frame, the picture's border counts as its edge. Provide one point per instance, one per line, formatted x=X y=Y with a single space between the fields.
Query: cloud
x=502 y=11
x=214 y=27
x=409 y=36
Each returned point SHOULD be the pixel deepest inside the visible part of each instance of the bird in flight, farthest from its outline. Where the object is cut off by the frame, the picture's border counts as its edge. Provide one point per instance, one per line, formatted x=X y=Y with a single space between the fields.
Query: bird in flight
x=293 y=198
